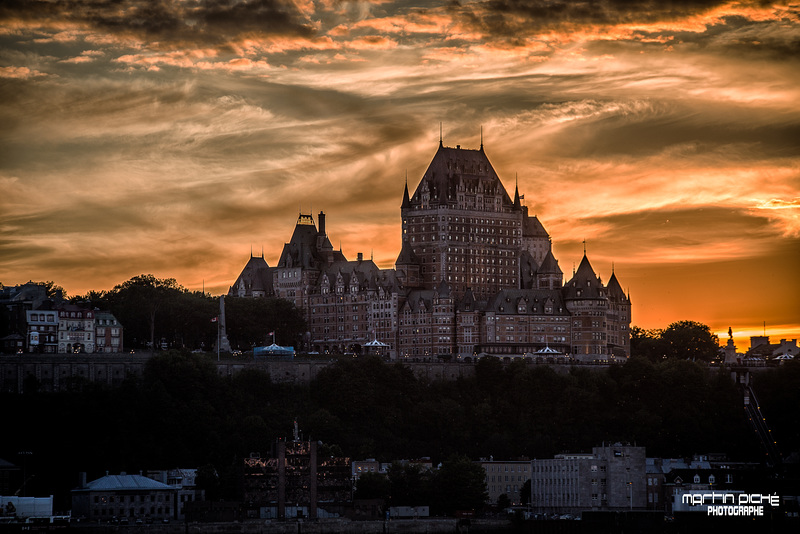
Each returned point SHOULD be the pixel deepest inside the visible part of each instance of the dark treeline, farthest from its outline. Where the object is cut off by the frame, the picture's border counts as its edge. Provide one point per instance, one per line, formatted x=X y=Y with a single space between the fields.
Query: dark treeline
x=182 y=414
x=159 y=310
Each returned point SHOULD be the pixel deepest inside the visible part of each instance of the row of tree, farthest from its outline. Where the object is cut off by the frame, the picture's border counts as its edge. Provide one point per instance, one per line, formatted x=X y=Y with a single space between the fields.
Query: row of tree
x=181 y=413
x=154 y=309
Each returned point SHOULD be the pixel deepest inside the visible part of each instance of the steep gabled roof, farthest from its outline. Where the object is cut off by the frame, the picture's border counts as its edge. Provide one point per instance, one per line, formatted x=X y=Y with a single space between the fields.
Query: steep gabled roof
x=550 y=265
x=256 y=276
x=453 y=166
x=301 y=250
x=407 y=255
x=308 y=248
x=532 y=226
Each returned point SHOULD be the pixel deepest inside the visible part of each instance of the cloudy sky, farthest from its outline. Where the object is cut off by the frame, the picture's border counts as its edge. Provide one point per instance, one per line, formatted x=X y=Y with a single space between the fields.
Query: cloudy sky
x=172 y=137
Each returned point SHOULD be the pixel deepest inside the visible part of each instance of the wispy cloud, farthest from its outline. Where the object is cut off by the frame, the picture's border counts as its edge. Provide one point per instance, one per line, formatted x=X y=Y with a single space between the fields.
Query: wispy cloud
x=171 y=137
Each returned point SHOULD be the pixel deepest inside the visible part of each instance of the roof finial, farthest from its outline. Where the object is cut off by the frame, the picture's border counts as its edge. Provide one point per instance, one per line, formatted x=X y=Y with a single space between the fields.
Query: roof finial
x=481 y=137
x=440 y=134
x=612 y=267
x=262 y=252
x=584 y=246
x=251 y=250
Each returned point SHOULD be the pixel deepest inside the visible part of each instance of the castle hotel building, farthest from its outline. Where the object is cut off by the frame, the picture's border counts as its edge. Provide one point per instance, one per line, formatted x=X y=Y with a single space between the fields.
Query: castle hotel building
x=475 y=274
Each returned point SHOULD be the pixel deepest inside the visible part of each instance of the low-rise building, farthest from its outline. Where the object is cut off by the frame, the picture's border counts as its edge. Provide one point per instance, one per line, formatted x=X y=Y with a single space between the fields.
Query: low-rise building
x=126 y=498
x=76 y=329
x=42 y=334
x=183 y=480
x=108 y=332
x=612 y=477
x=506 y=478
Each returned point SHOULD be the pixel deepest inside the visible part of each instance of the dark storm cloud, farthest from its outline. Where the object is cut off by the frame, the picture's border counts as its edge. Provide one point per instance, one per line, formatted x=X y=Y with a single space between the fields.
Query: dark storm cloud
x=508 y=17
x=208 y=21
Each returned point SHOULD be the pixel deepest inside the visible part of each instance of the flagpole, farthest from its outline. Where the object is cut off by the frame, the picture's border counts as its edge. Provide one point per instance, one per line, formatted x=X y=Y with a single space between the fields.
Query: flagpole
x=217 y=339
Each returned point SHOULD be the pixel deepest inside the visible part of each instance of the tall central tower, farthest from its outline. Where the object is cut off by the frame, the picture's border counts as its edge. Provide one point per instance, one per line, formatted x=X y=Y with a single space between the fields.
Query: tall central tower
x=464 y=229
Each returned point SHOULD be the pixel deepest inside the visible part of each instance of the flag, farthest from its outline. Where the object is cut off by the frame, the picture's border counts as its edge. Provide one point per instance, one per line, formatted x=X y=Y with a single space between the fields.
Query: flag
x=214 y=319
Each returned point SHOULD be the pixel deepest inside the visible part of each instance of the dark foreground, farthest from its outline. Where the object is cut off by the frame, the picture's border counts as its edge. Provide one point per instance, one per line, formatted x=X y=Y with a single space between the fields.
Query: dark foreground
x=591 y=523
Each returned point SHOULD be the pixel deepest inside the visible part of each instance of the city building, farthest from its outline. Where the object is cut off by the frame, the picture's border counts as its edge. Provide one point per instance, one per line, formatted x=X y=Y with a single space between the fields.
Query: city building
x=76 y=329
x=108 y=332
x=296 y=483
x=17 y=301
x=186 y=490
x=506 y=478
x=475 y=275
x=612 y=477
x=42 y=330
x=125 y=498
x=760 y=347
x=370 y=465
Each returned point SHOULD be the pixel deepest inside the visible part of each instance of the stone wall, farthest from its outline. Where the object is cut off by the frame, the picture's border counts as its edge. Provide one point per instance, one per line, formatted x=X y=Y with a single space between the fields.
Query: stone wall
x=59 y=372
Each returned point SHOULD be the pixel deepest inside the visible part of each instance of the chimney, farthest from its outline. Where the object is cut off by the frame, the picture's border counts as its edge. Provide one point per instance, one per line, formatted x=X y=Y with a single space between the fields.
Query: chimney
x=360 y=257
x=82 y=479
x=322 y=223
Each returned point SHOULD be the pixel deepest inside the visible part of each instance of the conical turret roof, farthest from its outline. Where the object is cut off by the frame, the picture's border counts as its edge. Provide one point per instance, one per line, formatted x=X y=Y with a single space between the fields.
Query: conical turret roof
x=584 y=283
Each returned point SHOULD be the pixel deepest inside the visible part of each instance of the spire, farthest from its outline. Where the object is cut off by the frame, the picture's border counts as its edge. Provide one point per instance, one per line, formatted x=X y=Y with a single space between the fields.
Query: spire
x=406 y=199
x=516 y=192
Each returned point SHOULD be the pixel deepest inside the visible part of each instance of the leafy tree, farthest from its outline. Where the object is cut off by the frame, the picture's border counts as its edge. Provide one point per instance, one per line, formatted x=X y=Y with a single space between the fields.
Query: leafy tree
x=409 y=485
x=503 y=502
x=690 y=340
x=250 y=320
x=525 y=492
x=372 y=486
x=137 y=302
x=646 y=343
x=208 y=479
x=54 y=291
x=460 y=484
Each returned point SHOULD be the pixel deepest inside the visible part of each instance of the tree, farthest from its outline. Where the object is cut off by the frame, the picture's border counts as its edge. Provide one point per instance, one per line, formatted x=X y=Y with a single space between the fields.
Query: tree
x=690 y=340
x=408 y=485
x=646 y=343
x=372 y=486
x=503 y=502
x=137 y=302
x=525 y=493
x=250 y=320
x=459 y=484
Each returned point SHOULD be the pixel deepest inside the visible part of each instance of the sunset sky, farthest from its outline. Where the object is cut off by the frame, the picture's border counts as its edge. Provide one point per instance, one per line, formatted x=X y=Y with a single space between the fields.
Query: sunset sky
x=172 y=137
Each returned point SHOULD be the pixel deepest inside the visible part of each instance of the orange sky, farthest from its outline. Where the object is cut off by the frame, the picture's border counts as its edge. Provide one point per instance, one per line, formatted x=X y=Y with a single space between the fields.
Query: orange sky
x=170 y=139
